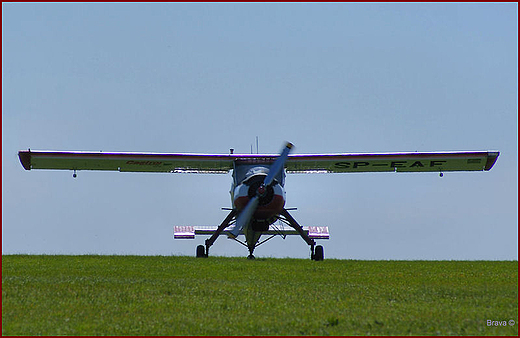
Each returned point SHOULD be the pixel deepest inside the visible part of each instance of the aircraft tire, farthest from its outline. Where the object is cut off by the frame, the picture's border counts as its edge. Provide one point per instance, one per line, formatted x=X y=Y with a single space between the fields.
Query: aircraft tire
x=318 y=253
x=201 y=251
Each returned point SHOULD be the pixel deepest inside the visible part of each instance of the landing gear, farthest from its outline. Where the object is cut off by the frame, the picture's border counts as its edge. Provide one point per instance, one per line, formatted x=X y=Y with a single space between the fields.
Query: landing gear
x=253 y=236
x=201 y=252
x=318 y=253
x=316 y=250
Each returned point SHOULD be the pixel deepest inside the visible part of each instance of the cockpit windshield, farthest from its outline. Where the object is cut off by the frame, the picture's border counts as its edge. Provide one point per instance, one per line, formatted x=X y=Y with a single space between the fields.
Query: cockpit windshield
x=242 y=173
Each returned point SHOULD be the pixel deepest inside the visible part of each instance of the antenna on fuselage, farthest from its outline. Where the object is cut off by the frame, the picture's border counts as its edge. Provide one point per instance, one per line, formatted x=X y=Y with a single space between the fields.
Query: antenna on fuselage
x=256 y=146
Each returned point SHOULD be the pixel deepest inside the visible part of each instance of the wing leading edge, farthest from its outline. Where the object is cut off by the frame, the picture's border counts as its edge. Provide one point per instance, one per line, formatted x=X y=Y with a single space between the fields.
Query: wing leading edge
x=218 y=163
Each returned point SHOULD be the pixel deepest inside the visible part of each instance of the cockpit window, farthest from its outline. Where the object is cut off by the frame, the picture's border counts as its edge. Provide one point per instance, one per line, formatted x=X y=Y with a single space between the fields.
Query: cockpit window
x=254 y=178
x=257 y=171
x=243 y=173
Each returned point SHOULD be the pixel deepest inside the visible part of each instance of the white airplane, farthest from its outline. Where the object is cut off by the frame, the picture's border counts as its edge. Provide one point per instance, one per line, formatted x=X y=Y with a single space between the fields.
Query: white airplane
x=257 y=192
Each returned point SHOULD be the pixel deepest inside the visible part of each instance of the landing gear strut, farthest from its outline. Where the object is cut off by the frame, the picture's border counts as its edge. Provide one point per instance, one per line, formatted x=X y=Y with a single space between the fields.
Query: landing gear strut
x=203 y=251
x=316 y=250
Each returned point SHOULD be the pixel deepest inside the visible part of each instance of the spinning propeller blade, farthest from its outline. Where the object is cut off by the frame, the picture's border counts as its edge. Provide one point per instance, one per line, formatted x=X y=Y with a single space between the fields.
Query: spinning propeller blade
x=278 y=165
x=247 y=213
x=245 y=217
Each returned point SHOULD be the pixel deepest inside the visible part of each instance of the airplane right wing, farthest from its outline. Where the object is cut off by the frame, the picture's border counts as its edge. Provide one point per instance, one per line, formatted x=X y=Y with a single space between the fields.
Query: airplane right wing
x=126 y=161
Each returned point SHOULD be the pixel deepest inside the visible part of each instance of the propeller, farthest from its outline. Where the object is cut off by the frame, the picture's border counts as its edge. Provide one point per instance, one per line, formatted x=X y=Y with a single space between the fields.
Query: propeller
x=247 y=213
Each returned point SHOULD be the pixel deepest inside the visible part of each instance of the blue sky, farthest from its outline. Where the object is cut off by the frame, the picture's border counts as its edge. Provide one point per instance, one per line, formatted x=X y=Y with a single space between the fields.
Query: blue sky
x=206 y=77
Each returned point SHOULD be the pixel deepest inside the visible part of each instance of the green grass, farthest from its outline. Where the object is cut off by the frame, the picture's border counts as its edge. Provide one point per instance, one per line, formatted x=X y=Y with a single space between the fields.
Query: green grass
x=136 y=295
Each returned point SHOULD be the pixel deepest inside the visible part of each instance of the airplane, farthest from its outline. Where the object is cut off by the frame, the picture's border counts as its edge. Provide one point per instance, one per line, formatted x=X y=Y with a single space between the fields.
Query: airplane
x=257 y=192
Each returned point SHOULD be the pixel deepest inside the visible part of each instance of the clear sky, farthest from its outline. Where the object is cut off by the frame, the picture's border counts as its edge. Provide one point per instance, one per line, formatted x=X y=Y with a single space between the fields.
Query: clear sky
x=207 y=77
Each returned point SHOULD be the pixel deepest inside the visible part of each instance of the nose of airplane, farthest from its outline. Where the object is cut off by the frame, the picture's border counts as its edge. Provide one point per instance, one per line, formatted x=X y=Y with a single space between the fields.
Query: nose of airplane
x=247 y=213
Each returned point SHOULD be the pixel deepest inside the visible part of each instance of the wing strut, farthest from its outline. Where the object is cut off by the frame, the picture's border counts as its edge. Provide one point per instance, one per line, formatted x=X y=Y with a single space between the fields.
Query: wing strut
x=225 y=223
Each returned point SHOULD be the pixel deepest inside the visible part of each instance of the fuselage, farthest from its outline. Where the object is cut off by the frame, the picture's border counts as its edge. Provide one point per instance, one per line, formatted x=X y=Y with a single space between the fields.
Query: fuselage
x=247 y=178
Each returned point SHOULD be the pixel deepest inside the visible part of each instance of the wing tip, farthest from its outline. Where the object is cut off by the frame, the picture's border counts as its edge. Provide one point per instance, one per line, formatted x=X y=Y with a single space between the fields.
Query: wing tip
x=25 y=158
x=491 y=160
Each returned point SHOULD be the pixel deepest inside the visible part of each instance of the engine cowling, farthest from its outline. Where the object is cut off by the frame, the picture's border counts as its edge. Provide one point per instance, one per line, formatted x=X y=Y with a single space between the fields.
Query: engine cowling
x=271 y=201
x=255 y=184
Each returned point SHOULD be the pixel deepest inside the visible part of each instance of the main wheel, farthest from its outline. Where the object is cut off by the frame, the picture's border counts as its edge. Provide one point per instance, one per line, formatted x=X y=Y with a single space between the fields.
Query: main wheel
x=318 y=253
x=201 y=251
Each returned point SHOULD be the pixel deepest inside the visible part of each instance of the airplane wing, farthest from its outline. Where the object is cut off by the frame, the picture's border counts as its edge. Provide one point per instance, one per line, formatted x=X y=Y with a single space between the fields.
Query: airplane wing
x=399 y=162
x=219 y=163
x=189 y=232
x=126 y=161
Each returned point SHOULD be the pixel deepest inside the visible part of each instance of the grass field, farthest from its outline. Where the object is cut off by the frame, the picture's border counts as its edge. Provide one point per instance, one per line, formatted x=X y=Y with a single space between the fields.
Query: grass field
x=156 y=295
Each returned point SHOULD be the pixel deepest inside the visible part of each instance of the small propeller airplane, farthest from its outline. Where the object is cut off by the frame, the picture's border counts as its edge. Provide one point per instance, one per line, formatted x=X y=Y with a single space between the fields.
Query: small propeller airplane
x=257 y=192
